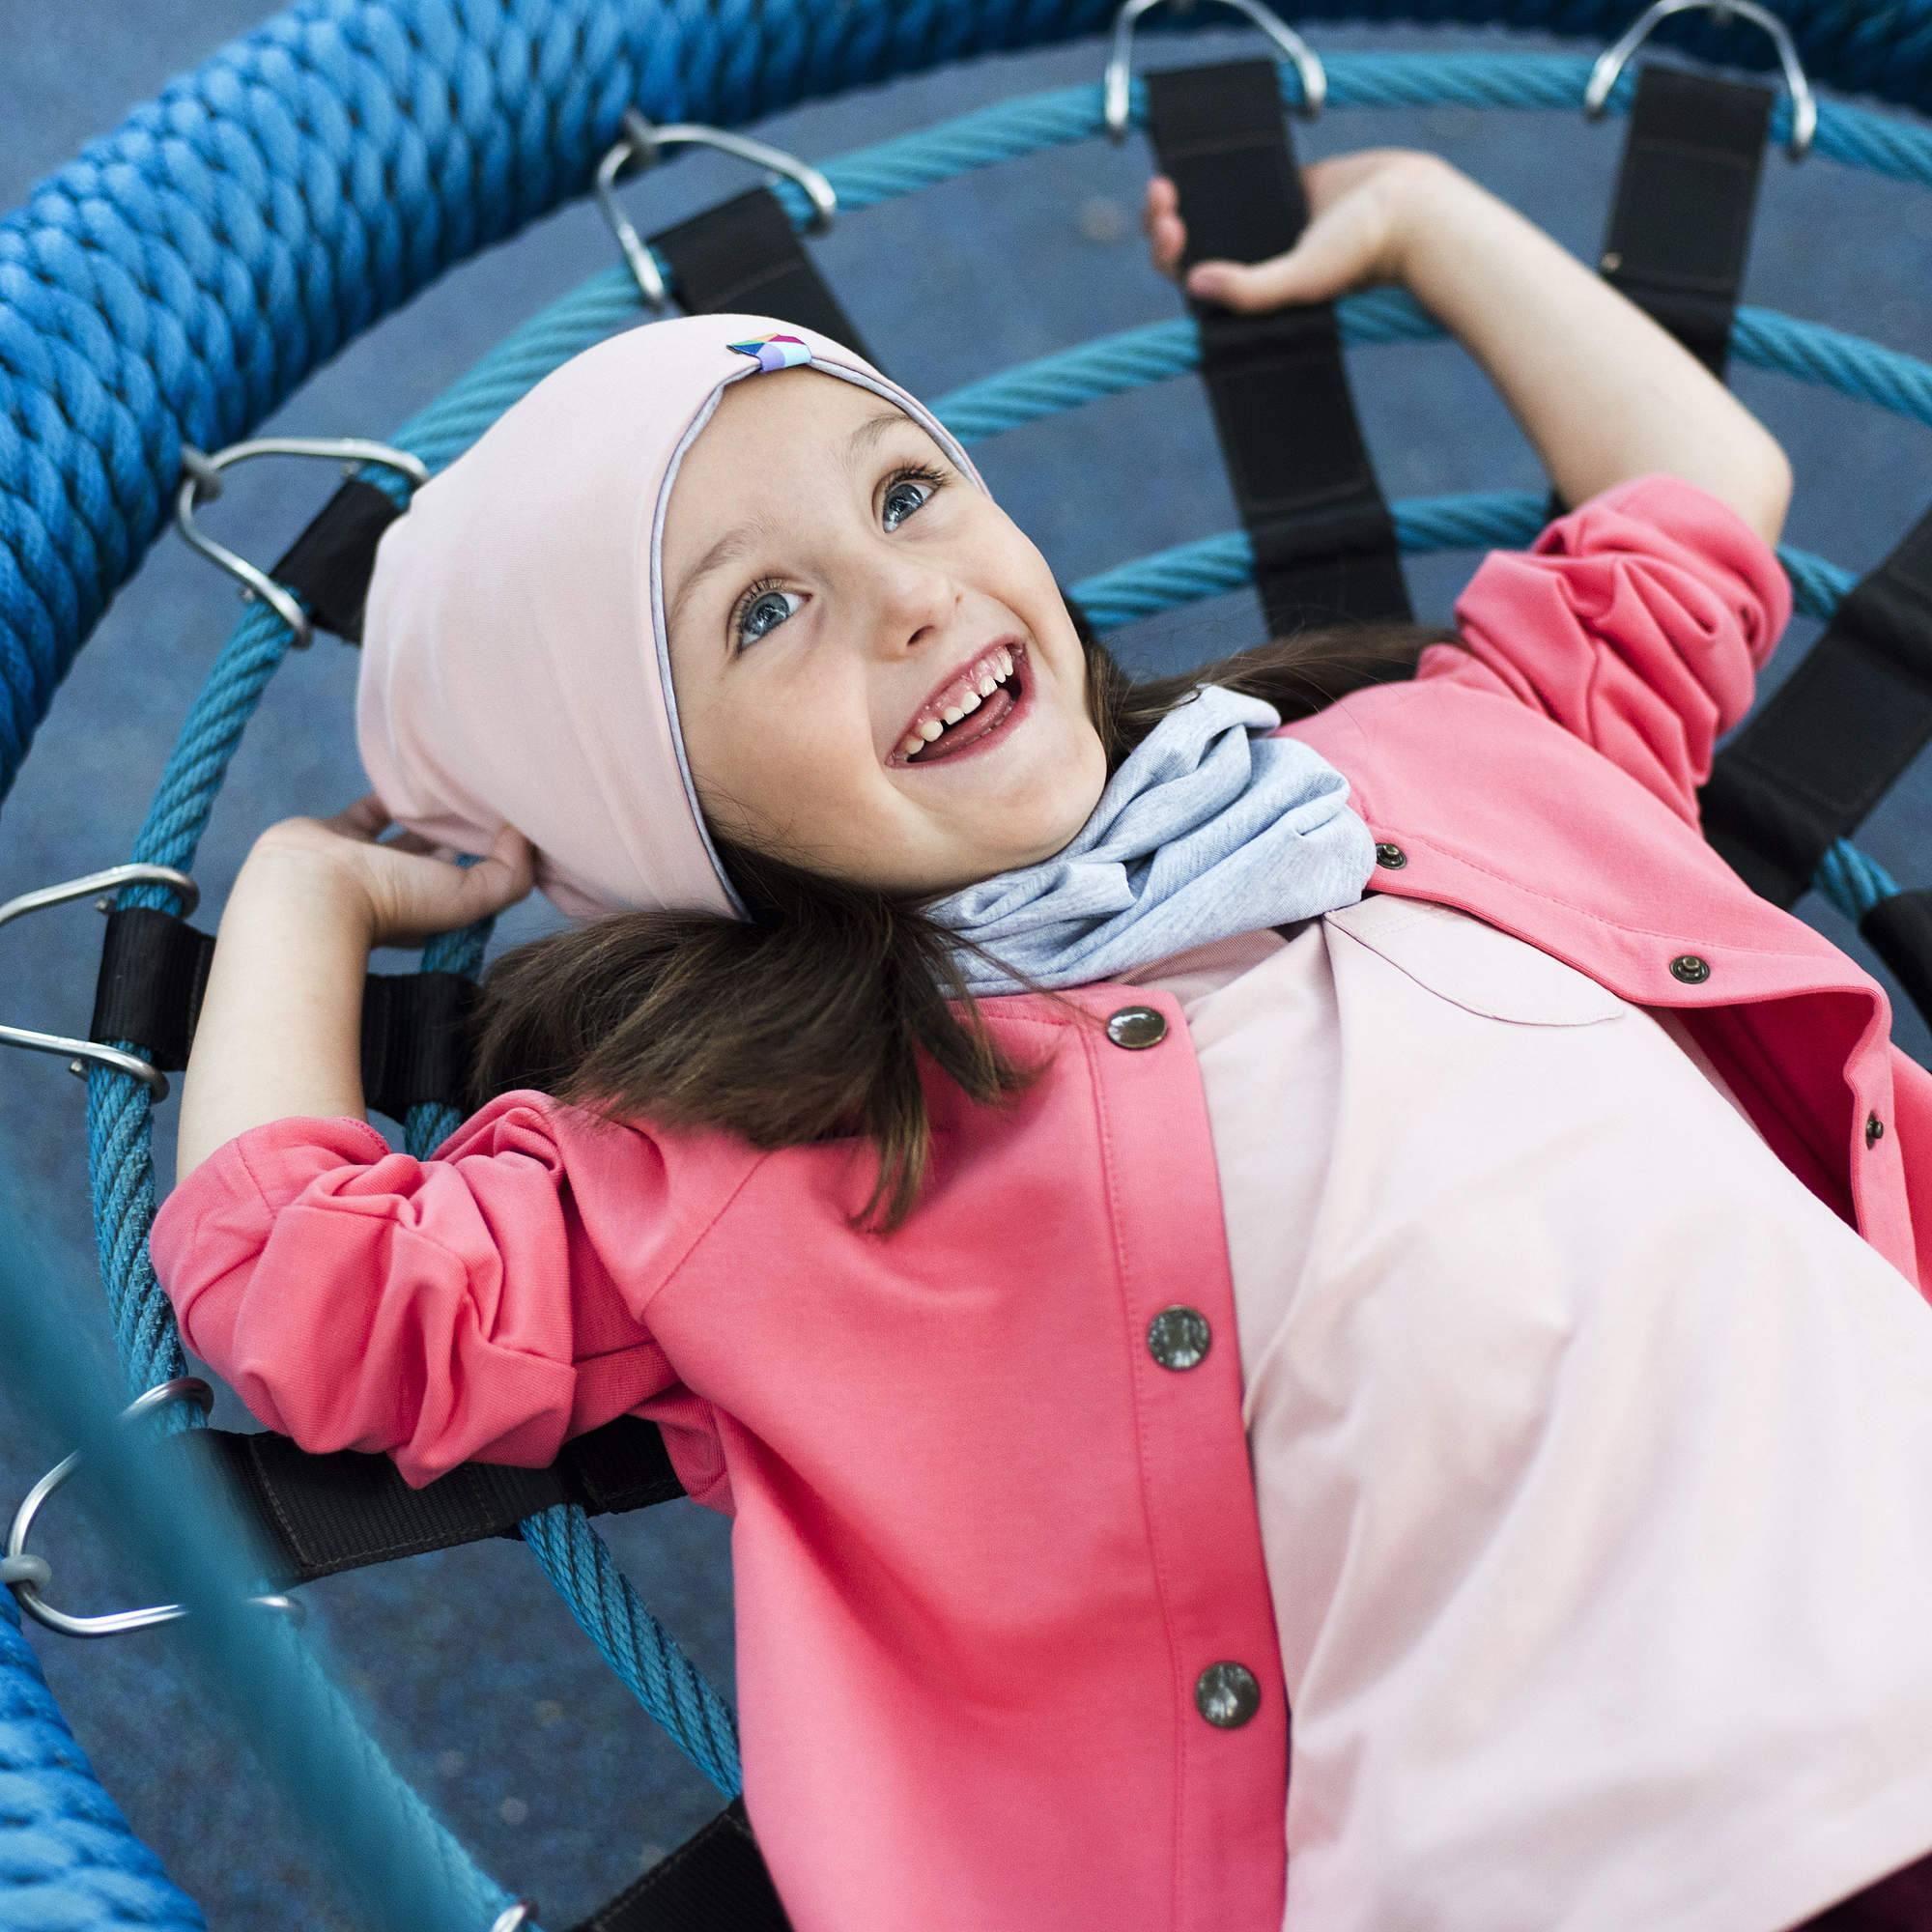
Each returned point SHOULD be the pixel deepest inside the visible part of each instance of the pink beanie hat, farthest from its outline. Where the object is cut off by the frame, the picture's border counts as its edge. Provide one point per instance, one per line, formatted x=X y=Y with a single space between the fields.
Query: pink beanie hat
x=515 y=666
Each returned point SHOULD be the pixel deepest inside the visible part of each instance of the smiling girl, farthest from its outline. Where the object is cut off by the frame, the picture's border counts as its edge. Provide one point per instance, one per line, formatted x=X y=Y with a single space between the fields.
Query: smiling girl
x=1306 y=1311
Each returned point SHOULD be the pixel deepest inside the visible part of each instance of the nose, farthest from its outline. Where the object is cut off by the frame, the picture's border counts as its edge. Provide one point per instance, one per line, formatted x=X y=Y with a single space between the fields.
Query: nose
x=916 y=598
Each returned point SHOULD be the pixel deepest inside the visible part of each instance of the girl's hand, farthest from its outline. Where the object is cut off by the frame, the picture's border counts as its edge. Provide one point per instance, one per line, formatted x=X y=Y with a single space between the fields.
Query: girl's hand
x=414 y=890
x=1357 y=230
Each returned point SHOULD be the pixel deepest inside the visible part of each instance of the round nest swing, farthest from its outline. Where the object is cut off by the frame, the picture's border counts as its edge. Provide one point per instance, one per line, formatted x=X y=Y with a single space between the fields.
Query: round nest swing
x=169 y=289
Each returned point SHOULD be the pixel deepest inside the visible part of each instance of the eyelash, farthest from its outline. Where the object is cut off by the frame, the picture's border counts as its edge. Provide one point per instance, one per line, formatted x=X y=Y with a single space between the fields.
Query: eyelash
x=910 y=473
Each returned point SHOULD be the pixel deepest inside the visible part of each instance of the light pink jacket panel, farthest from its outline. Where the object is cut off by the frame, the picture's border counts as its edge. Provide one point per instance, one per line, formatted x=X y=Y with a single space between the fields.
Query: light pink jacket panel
x=1588 y=1445
x=984 y=1545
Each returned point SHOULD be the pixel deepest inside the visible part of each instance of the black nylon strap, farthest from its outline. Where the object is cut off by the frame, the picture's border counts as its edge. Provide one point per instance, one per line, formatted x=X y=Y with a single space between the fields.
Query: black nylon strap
x=323 y=1514
x=1324 y=546
x=1815 y=758
x=1685 y=199
x=746 y=255
x=715 y=1882
x=1899 y=931
x=329 y=565
x=153 y=970
x=1681 y=225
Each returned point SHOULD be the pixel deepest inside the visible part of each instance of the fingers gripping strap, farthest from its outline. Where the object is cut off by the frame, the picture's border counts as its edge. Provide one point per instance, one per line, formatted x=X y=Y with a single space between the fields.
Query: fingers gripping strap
x=1324 y=546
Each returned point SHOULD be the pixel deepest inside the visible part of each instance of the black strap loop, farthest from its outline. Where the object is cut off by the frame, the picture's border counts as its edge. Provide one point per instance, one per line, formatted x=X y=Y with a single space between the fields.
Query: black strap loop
x=744 y=255
x=714 y=1881
x=1685 y=205
x=1681 y=224
x=323 y=1514
x=330 y=564
x=1817 y=756
x=153 y=970
x=1324 y=546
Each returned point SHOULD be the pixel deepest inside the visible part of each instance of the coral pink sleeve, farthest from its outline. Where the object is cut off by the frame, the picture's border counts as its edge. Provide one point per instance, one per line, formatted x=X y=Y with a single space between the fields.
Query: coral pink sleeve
x=1639 y=622
x=485 y=1304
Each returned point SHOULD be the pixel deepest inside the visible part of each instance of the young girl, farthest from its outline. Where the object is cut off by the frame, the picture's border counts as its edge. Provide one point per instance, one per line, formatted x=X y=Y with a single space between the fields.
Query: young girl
x=1155 y=1222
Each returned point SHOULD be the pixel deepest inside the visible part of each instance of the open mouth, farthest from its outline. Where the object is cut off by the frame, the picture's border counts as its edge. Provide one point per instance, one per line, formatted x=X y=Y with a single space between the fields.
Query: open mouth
x=996 y=711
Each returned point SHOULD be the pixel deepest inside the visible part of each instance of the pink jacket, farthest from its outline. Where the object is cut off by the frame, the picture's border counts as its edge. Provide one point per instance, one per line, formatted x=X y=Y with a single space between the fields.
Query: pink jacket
x=986 y=1546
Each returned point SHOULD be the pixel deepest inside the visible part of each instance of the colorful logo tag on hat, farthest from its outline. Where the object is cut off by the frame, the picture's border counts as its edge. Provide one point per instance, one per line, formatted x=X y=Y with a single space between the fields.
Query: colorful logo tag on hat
x=774 y=352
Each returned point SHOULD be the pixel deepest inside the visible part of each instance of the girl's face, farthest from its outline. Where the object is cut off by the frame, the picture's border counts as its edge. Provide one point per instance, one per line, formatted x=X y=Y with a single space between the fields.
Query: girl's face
x=831 y=582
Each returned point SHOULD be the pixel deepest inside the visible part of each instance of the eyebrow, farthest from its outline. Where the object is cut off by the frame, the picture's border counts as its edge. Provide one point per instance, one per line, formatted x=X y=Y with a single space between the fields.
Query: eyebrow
x=734 y=543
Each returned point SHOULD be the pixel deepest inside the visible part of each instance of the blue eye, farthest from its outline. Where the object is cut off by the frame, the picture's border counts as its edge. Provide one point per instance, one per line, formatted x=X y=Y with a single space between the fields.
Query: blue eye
x=903 y=486
x=764 y=608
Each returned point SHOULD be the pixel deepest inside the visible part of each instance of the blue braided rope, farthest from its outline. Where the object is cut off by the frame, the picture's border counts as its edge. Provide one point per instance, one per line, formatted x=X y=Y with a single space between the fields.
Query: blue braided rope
x=144 y=299
x=68 y=1859
x=1156 y=352
x=634 y=1644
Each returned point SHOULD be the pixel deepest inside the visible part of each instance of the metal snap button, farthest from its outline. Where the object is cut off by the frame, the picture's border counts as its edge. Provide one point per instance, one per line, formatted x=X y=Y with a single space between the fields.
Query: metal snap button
x=1226 y=1694
x=1137 y=1027
x=1177 y=1337
x=1391 y=856
x=1692 y=969
x=1874 y=1129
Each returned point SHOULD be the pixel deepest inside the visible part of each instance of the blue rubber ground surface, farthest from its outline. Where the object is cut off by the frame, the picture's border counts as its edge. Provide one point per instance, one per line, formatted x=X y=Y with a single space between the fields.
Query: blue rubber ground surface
x=470 y=1667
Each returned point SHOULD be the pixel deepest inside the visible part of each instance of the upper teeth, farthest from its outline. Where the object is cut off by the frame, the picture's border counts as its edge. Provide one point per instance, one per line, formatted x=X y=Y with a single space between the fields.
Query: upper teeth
x=972 y=690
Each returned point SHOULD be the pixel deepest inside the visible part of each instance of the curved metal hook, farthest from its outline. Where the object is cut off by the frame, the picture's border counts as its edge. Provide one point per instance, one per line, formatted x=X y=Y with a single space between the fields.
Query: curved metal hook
x=76 y=889
x=641 y=142
x=1119 y=81
x=1611 y=61
x=27 y=1591
x=203 y=482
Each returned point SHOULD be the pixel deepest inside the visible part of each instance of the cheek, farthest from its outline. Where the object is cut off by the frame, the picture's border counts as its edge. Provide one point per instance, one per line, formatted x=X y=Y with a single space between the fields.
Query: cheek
x=793 y=758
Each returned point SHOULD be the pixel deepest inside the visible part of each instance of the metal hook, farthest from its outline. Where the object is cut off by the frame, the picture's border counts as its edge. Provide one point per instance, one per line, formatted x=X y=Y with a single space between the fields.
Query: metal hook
x=77 y=889
x=1117 y=86
x=641 y=142
x=1610 y=63
x=27 y=1591
x=202 y=483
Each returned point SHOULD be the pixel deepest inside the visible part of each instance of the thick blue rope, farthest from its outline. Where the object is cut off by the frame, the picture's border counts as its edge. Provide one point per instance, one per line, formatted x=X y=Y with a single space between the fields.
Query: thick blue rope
x=71 y=1862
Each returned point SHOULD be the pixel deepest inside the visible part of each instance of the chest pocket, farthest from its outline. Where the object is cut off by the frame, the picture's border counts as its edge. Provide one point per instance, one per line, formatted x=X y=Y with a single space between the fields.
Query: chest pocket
x=1474 y=965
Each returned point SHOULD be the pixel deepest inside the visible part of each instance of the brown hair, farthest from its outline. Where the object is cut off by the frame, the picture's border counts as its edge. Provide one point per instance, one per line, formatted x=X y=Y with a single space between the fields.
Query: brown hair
x=809 y=1020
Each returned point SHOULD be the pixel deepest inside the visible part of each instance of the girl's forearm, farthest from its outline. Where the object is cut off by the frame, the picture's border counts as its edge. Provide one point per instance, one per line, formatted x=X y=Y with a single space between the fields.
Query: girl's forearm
x=280 y=1028
x=1602 y=391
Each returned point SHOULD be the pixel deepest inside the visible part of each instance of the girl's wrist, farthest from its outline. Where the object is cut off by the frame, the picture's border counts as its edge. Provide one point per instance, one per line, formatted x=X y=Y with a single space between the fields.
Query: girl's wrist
x=324 y=881
x=1427 y=193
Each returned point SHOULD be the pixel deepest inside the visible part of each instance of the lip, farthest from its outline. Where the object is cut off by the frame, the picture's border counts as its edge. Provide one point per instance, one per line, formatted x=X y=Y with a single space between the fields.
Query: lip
x=1023 y=708
x=1017 y=646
